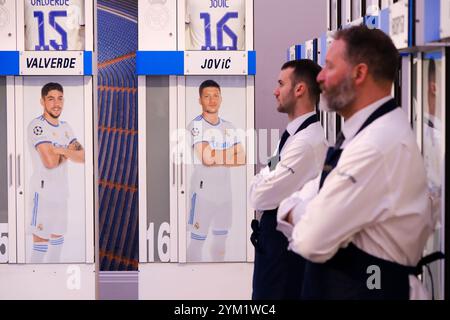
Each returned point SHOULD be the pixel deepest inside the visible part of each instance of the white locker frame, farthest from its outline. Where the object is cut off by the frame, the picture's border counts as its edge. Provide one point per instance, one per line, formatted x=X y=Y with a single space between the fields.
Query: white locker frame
x=21 y=280
x=334 y=13
x=89 y=169
x=168 y=276
x=346 y=12
x=12 y=174
x=329 y=3
x=443 y=124
x=441 y=286
x=177 y=119
x=419 y=123
x=406 y=92
x=10 y=42
x=333 y=116
x=360 y=15
x=17 y=271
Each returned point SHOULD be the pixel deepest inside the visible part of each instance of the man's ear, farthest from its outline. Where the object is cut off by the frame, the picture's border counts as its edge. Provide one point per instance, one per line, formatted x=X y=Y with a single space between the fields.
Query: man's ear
x=360 y=73
x=300 y=89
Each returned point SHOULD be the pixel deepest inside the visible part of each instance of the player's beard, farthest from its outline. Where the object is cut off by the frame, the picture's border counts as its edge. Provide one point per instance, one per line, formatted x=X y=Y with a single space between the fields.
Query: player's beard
x=53 y=115
x=288 y=106
x=340 y=96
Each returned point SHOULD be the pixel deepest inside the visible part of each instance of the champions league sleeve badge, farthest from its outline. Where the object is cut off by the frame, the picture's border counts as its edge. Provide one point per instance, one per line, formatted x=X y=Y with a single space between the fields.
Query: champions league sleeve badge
x=195 y=132
x=38 y=131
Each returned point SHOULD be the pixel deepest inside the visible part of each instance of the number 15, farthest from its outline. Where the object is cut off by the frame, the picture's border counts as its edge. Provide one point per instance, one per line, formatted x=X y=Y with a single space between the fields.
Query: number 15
x=52 y=15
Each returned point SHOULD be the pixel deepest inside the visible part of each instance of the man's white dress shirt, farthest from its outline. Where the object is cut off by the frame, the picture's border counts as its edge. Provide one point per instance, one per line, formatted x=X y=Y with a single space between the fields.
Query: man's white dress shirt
x=376 y=197
x=302 y=158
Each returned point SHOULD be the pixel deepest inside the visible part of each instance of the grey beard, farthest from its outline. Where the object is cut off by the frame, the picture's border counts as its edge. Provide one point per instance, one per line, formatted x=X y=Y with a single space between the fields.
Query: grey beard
x=343 y=96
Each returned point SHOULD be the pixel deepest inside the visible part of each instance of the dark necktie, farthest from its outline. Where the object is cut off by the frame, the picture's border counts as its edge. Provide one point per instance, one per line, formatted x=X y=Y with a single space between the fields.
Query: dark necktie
x=283 y=140
x=333 y=155
x=339 y=140
x=274 y=160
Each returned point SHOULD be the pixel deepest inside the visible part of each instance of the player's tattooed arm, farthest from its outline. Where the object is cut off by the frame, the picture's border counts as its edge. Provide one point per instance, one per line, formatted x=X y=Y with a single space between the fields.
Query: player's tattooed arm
x=235 y=156
x=205 y=153
x=75 y=146
x=231 y=157
x=49 y=155
x=74 y=152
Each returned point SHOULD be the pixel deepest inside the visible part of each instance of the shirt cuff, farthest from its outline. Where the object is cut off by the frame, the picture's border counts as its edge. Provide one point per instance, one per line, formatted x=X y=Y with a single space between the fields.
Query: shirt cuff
x=298 y=211
x=285 y=207
x=264 y=171
x=296 y=206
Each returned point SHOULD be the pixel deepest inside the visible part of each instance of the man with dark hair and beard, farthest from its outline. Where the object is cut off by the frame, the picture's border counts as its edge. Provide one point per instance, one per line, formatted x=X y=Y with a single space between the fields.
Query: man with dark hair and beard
x=278 y=273
x=52 y=143
x=363 y=224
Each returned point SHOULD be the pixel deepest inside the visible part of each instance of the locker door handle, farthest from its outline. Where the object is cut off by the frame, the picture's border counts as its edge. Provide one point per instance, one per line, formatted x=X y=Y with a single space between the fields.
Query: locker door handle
x=10 y=170
x=18 y=171
x=181 y=164
x=173 y=169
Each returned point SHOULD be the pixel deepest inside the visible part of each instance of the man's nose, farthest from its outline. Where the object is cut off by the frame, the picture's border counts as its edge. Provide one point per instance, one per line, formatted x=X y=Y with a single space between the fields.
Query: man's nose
x=320 y=77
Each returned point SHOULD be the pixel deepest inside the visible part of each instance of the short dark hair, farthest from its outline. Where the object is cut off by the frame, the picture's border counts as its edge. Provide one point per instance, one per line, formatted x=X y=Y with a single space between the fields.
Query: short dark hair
x=207 y=84
x=372 y=47
x=49 y=87
x=307 y=71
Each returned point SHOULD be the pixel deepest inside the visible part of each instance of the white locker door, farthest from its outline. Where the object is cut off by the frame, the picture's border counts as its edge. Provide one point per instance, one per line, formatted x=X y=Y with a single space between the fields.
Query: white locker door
x=213 y=214
x=7 y=172
x=158 y=161
x=64 y=192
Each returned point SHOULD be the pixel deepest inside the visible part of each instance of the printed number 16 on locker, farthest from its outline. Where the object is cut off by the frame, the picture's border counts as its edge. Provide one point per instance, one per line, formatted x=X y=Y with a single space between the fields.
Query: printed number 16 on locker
x=162 y=242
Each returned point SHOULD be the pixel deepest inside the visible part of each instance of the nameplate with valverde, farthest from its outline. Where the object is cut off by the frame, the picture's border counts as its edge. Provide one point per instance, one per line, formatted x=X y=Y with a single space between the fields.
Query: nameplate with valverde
x=51 y=63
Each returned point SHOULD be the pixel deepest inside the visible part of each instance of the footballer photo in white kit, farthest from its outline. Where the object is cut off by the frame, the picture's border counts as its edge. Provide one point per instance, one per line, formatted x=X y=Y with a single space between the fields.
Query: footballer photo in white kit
x=54 y=25
x=215 y=24
x=55 y=198
x=218 y=192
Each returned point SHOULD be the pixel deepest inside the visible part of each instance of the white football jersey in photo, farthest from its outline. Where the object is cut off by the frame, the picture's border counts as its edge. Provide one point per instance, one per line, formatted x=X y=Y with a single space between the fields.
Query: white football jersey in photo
x=221 y=136
x=54 y=25
x=215 y=24
x=43 y=180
